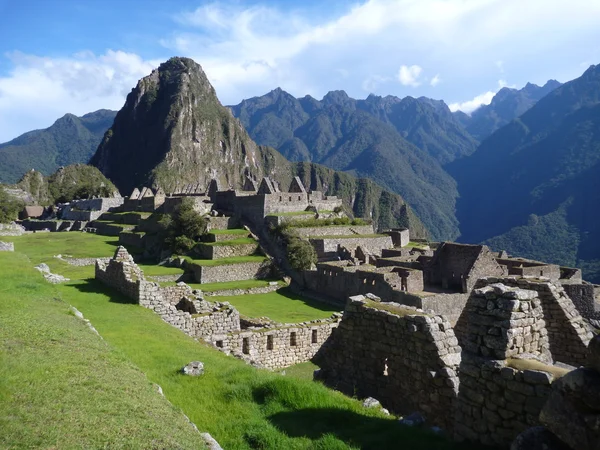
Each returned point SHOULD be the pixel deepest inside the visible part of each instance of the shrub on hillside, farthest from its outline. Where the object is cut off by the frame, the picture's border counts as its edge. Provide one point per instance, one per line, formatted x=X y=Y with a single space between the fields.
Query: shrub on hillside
x=184 y=227
x=9 y=207
x=300 y=254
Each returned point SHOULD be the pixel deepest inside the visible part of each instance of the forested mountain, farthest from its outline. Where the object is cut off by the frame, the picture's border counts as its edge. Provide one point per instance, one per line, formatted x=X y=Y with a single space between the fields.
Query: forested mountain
x=70 y=140
x=533 y=187
x=507 y=104
x=173 y=131
x=399 y=143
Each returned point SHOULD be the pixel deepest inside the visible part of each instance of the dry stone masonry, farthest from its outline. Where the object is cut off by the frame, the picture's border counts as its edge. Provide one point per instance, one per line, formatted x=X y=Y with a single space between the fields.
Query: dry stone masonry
x=403 y=357
x=271 y=346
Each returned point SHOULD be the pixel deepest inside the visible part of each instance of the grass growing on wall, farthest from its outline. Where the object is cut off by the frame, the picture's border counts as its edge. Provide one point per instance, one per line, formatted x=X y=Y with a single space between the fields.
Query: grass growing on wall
x=61 y=386
x=226 y=261
x=282 y=306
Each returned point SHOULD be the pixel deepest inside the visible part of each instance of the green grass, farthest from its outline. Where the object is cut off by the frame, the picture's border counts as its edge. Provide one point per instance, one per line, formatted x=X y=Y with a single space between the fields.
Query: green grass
x=242 y=407
x=61 y=386
x=226 y=261
x=238 y=241
x=232 y=231
x=302 y=371
x=227 y=285
x=154 y=270
x=281 y=306
x=417 y=244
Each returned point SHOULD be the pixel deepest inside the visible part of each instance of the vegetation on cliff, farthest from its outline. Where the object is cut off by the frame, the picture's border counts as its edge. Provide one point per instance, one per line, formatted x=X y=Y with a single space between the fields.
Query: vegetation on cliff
x=70 y=140
x=533 y=185
x=398 y=143
x=173 y=131
x=78 y=181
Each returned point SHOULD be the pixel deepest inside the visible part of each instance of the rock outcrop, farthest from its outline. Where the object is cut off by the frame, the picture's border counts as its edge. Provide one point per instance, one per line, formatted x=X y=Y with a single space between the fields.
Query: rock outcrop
x=572 y=411
x=173 y=131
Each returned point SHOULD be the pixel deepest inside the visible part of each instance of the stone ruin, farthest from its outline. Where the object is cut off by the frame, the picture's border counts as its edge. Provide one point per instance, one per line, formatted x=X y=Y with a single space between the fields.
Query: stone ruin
x=271 y=345
x=486 y=382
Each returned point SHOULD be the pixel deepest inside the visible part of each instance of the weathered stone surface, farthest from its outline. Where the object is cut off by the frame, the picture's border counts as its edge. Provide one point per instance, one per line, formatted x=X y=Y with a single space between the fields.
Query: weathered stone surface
x=49 y=276
x=413 y=420
x=211 y=443
x=537 y=438
x=593 y=360
x=371 y=402
x=7 y=246
x=572 y=411
x=193 y=369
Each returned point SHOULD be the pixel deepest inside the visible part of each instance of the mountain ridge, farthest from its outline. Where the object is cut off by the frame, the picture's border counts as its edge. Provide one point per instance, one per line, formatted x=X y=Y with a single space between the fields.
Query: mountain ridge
x=173 y=131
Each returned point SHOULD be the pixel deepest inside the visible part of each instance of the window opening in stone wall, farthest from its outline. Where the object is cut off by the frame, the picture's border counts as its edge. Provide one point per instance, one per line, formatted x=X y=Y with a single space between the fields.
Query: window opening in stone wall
x=293 y=338
x=385 y=368
x=314 y=336
x=245 y=346
x=219 y=344
x=290 y=198
x=270 y=342
x=299 y=197
x=541 y=273
x=280 y=198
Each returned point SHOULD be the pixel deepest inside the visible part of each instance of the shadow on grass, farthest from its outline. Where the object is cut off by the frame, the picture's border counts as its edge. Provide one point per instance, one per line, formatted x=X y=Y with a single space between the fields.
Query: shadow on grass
x=91 y=285
x=356 y=430
x=321 y=306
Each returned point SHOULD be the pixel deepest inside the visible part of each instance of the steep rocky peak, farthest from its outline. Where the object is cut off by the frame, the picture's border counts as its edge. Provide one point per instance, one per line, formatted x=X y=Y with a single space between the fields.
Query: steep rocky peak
x=338 y=98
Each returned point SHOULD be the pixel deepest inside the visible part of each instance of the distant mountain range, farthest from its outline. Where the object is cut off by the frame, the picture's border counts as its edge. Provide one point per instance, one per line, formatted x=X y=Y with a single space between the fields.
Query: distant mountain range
x=533 y=186
x=530 y=187
x=70 y=140
x=401 y=143
x=506 y=105
x=173 y=131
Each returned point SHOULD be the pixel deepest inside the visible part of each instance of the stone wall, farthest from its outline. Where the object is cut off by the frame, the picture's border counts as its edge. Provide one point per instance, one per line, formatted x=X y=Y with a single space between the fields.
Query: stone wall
x=207 y=251
x=405 y=358
x=340 y=281
x=90 y=209
x=131 y=238
x=278 y=346
x=568 y=333
x=373 y=245
x=230 y=272
x=271 y=346
x=334 y=230
x=497 y=402
x=11 y=229
x=7 y=246
x=583 y=296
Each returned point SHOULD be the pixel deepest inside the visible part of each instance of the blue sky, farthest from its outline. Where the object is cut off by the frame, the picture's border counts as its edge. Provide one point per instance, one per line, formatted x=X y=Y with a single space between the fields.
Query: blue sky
x=64 y=56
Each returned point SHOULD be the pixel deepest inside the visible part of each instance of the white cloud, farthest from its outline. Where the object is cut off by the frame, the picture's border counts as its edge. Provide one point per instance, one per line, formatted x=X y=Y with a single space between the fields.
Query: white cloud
x=249 y=50
x=482 y=99
x=471 y=105
x=409 y=76
x=39 y=90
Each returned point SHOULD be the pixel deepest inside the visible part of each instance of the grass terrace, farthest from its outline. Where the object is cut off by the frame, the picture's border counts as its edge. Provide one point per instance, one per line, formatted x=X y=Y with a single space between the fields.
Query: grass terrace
x=61 y=386
x=154 y=270
x=281 y=306
x=225 y=261
x=228 y=285
x=230 y=231
x=64 y=387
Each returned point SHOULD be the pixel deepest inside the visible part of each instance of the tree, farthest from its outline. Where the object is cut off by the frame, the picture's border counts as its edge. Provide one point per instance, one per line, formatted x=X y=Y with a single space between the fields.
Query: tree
x=9 y=207
x=301 y=254
x=184 y=227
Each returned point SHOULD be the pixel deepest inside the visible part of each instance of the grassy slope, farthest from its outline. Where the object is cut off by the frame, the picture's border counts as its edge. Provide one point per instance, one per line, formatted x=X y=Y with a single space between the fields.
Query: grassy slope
x=61 y=386
x=240 y=406
x=281 y=306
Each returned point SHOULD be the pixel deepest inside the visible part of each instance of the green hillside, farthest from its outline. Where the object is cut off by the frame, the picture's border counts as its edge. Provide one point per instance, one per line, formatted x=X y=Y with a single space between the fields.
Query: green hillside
x=69 y=140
